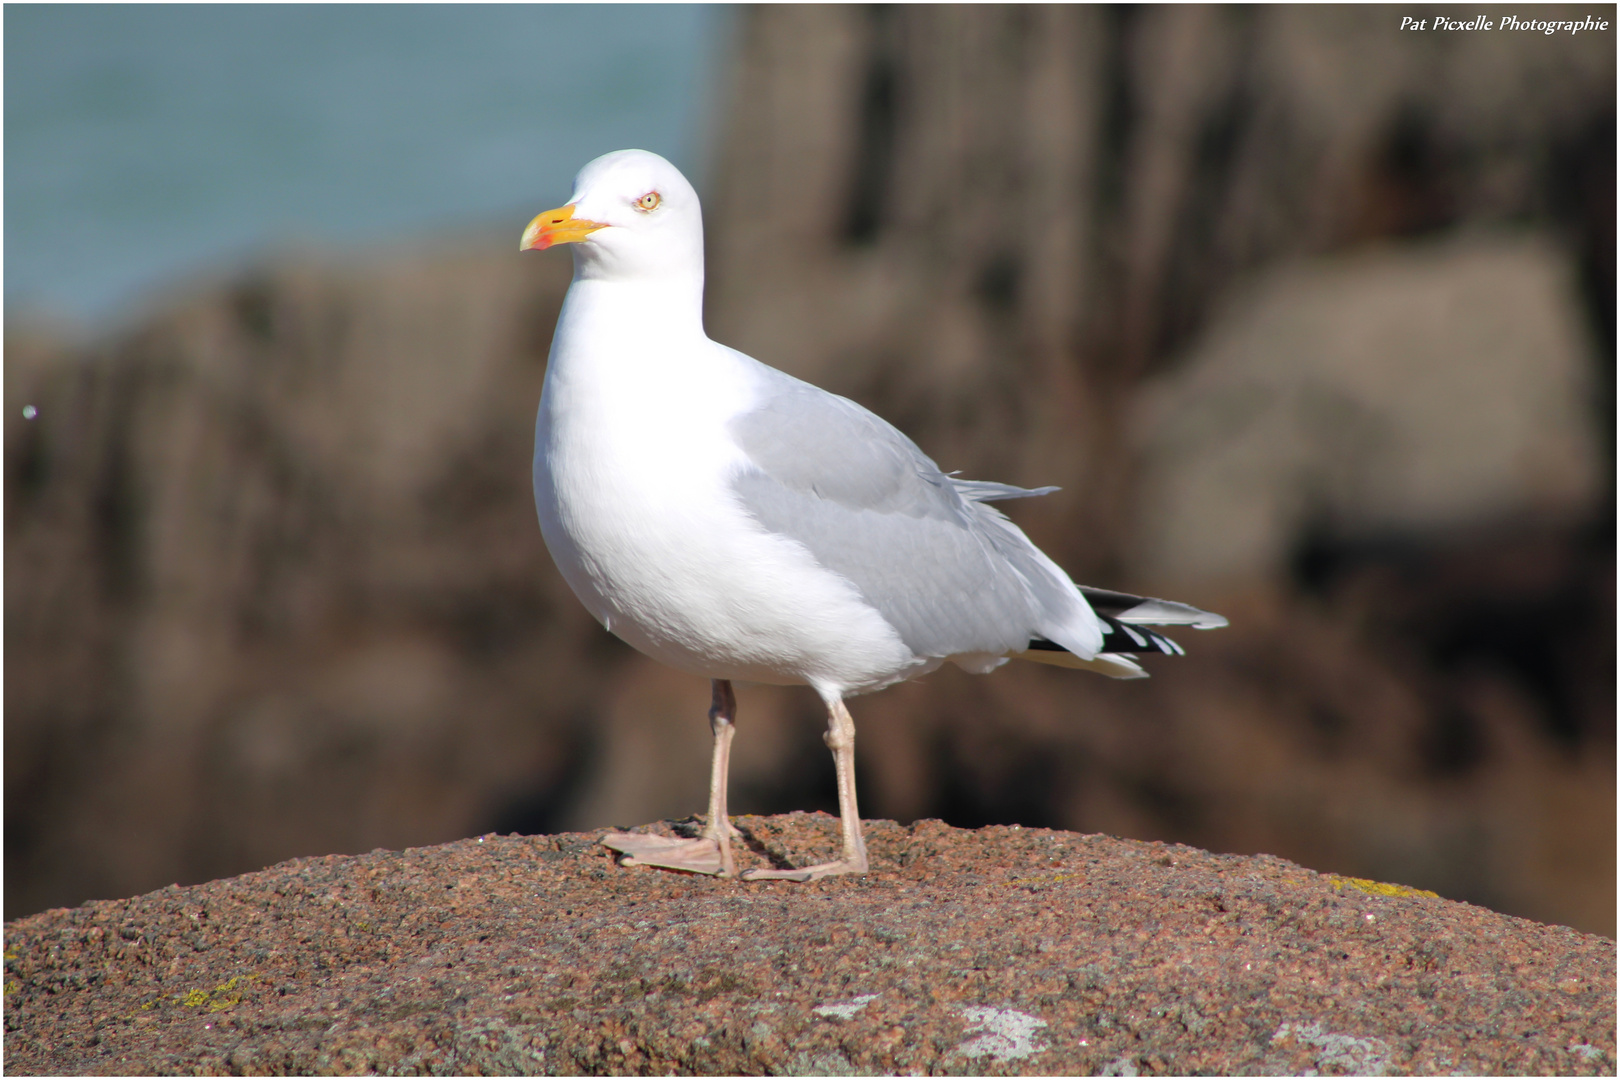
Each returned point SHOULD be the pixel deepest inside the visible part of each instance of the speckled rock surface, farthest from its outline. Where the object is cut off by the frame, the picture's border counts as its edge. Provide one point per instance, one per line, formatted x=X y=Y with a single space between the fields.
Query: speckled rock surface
x=1001 y=950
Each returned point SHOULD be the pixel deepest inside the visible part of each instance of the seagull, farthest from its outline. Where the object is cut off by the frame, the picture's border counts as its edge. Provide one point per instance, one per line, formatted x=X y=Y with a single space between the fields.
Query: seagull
x=732 y=521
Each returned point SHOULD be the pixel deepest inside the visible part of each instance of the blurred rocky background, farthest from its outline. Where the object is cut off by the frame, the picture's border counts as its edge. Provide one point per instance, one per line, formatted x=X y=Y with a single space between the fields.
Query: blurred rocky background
x=1312 y=319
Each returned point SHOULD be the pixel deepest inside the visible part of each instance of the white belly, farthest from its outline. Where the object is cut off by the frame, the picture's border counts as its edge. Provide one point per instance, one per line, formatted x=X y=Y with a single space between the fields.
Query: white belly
x=635 y=504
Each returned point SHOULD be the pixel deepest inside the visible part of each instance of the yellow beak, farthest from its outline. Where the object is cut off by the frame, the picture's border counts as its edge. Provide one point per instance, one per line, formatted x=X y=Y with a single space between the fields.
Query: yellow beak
x=558 y=226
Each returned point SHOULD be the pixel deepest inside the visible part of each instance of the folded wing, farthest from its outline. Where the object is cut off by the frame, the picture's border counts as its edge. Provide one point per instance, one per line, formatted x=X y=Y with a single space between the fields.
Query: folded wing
x=950 y=574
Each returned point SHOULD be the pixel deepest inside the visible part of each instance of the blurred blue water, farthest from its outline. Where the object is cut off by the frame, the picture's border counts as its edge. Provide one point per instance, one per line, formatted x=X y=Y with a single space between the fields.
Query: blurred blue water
x=143 y=143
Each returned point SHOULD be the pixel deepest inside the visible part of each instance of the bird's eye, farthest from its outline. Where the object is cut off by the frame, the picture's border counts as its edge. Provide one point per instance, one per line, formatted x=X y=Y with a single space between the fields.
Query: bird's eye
x=649 y=202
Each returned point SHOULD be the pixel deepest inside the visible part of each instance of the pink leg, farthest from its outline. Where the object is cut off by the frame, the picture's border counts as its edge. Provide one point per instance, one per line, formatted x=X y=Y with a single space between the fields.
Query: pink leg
x=840 y=739
x=710 y=853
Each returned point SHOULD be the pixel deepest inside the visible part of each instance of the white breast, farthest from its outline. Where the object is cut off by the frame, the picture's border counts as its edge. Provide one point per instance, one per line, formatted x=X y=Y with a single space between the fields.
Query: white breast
x=632 y=471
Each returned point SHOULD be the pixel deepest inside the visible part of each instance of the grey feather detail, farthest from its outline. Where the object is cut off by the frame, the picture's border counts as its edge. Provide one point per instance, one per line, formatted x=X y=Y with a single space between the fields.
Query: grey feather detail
x=990 y=491
x=950 y=574
x=811 y=441
x=1146 y=611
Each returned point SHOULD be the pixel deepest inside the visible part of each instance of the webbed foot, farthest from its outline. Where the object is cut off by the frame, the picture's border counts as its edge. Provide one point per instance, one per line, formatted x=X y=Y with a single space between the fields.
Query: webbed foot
x=701 y=855
x=808 y=873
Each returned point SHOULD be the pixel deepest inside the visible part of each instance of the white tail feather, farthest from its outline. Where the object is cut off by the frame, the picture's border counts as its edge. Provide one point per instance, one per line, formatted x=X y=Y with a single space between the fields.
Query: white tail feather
x=1113 y=665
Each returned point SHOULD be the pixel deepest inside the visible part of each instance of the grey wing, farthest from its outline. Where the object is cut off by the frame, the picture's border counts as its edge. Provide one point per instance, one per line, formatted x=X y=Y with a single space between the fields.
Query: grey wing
x=951 y=575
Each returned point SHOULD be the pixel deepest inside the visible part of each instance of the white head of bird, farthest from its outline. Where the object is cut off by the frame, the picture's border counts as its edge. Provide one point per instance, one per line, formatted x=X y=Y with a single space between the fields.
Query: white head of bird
x=633 y=216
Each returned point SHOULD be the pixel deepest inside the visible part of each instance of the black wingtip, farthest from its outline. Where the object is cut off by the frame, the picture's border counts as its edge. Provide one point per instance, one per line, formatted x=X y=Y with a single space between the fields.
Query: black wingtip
x=1121 y=638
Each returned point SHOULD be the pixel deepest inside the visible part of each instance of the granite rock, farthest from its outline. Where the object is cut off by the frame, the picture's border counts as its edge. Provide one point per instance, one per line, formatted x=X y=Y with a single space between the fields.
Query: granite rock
x=996 y=951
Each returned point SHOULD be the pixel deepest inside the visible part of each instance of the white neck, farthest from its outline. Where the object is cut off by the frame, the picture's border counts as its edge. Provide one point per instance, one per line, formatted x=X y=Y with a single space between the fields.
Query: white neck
x=615 y=308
